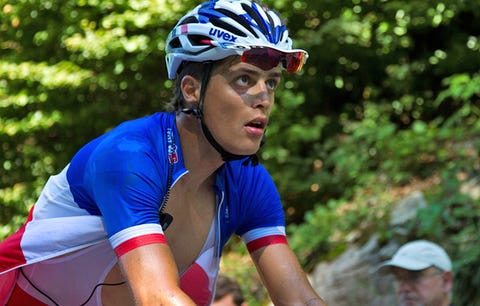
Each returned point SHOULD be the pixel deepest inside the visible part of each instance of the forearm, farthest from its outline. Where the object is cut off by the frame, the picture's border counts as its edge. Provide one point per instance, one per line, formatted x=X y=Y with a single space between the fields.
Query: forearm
x=153 y=278
x=316 y=301
x=170 y=298
x=313 y=300
x=286 y=282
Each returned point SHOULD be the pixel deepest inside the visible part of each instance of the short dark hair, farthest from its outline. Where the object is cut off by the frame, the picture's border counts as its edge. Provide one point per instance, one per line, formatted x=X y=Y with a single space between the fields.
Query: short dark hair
x=226 y=285
x=196 y=70
x=193 y=69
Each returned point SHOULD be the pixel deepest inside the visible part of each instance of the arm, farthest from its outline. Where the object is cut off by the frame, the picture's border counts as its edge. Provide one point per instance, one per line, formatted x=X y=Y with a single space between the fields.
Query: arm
x=283 y=276
x=153 y=277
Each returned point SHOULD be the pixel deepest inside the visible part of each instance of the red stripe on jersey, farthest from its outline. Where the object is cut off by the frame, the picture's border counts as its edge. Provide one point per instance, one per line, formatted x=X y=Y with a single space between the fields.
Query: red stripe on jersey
x=20 y=297
x=139 y=241
x=256 y=244
x=7 y=283
x=11 y=253
x=195 y=284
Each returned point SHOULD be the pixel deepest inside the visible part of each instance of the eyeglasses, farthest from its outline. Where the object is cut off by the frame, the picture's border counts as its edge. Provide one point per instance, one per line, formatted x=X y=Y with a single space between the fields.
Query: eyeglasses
x=267 y=58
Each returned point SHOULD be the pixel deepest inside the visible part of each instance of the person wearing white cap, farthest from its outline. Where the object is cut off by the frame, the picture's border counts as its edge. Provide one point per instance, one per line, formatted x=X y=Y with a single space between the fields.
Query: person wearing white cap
x=423 y=274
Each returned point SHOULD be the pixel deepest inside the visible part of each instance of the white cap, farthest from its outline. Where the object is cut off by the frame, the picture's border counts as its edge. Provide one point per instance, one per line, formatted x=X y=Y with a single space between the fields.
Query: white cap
x=419 y=255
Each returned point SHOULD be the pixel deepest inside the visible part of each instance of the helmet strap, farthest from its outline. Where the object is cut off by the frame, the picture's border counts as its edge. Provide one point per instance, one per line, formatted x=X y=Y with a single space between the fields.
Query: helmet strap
x=197 y=111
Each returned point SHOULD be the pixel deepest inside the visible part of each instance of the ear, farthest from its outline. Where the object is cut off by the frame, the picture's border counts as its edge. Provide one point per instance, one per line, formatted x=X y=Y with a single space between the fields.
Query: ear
x=447 y=281
x=190 y=89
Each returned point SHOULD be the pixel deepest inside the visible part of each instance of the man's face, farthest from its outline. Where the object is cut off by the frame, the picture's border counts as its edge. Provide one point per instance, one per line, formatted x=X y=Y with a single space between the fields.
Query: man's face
x=238 y=102
x=429 y=287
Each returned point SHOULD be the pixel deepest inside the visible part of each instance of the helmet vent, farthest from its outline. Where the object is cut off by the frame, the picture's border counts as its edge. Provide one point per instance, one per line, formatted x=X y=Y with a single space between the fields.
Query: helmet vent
x=175 y=43
x=258 y=19
x=198 y=40
x=271 y=23
x=190 y=19
x=223 y=25
x=239 y=20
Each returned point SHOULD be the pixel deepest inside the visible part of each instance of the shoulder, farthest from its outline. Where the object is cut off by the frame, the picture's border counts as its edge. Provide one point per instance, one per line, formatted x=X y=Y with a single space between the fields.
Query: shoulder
x=235 y=170
x=149 y=127
x=248 y=184
x=248 y=177
x=126 y=148
x=132 y=137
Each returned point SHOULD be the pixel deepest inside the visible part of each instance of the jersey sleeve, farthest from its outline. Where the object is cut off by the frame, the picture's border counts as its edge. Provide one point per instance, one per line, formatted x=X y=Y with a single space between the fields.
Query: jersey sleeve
x=260 y=208
x=127 y=185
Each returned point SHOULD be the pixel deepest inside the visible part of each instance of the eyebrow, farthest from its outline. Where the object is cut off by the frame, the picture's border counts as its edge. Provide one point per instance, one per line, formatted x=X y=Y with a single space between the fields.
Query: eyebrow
x=254 y=72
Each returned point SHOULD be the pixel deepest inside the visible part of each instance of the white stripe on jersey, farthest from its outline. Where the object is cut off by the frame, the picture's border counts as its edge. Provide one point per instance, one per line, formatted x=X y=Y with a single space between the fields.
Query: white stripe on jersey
x=263 y=232
x=59 y=226
x=56 y=200
x=134 y=232
x=49 y=238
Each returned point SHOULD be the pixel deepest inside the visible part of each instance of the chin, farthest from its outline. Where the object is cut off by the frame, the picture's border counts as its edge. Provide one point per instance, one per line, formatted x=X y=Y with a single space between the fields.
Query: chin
x=409 y=302
x=246 y=153
x=250 y=152
x=244 y=149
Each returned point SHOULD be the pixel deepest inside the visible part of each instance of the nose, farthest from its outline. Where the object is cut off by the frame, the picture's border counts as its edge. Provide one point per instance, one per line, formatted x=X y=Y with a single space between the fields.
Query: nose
x=262 y=97
x=403 y=286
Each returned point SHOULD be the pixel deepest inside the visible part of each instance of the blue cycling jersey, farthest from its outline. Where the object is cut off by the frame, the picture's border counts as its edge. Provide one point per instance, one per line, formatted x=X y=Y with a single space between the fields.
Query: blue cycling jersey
x=122 y=176
x=113 y=189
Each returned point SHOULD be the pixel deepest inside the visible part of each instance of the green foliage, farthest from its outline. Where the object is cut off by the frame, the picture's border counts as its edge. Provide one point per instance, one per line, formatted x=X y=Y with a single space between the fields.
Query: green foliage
x=456 y=214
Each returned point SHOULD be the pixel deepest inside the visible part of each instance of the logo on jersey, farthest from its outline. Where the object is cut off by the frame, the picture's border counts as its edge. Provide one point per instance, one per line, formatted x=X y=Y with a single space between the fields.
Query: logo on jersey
x=172 y=147
x=222 y=35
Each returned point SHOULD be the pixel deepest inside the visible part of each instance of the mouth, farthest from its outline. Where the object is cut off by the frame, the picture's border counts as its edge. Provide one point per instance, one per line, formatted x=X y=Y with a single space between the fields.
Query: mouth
x=256 y=127
x=408 y=299
x=258 y=123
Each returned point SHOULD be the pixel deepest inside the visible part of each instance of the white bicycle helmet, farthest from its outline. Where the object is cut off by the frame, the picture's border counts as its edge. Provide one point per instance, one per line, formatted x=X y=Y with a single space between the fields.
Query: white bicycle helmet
x=217 y=29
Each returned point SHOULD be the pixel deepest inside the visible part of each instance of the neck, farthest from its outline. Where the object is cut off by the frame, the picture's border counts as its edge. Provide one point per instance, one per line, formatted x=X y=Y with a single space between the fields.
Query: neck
x=201 y=159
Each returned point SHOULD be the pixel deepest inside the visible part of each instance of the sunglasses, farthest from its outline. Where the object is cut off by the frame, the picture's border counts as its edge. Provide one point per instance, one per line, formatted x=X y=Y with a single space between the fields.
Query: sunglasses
x=267 y=58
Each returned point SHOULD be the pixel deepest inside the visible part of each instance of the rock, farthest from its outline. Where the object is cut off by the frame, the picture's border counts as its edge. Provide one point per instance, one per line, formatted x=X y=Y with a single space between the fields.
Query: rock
x=352 y=278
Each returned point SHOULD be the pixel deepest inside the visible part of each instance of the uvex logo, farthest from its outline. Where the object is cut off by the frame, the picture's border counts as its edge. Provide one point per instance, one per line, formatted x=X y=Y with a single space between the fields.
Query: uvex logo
x=223 y=35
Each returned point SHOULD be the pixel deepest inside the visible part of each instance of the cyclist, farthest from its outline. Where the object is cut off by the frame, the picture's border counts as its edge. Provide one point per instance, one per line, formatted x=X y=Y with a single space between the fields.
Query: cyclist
x=140 y=215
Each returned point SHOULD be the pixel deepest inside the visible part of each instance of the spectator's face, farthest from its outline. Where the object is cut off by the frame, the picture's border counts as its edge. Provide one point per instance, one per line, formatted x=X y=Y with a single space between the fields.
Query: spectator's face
x=227 y=300
x=429 y=287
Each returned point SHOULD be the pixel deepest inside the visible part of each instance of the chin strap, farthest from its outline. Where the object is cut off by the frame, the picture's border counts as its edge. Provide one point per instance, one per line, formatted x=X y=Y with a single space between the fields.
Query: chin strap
x=197 y=112
x=226 y=156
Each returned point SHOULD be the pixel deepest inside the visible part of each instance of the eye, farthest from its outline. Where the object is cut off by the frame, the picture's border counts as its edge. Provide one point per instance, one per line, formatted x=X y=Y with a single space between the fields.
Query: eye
x=242 y=80
x=272 y=84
